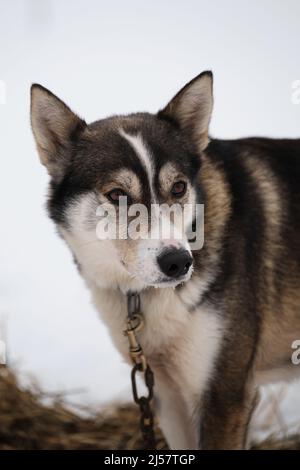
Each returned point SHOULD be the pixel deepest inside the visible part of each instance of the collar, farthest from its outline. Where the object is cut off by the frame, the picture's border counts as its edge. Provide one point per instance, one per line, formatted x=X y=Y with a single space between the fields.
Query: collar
x=133 y=304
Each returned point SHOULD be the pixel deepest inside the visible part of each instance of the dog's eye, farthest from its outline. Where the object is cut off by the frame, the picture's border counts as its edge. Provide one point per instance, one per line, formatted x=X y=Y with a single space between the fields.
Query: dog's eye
x=178 y=189
x=115 y=195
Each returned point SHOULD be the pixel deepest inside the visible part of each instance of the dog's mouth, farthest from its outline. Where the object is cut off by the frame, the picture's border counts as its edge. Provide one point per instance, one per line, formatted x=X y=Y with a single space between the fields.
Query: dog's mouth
x=163 y=282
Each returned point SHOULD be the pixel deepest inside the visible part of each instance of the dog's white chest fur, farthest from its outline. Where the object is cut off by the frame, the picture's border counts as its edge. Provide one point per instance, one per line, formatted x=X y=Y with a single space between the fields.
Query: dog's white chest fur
x=181 y=348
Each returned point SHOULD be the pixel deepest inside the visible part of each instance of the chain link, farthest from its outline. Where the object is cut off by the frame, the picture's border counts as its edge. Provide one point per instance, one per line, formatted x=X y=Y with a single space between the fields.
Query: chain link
x=147 y=419
x=135 y=324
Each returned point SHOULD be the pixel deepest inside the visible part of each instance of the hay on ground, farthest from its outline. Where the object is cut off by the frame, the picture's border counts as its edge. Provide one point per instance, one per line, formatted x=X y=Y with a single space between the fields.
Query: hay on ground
x=27 y=423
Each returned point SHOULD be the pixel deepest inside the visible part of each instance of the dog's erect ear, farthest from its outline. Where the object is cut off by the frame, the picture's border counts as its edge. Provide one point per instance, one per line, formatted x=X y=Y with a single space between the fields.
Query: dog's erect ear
x=191 y=109
x=55 y=127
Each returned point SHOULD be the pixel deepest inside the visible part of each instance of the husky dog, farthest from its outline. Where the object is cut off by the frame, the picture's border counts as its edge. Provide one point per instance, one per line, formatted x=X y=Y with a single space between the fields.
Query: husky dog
x=220 y=320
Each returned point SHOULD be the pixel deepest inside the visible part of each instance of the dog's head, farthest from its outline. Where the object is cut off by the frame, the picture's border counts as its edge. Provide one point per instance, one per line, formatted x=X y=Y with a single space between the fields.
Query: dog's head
x=120 y=165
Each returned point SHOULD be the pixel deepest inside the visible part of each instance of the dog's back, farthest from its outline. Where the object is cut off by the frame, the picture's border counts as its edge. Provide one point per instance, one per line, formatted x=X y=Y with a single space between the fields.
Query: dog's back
x=260 y=252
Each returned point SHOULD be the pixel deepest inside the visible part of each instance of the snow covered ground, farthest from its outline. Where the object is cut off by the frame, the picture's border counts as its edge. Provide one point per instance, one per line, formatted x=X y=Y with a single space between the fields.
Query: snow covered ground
x=117 y=57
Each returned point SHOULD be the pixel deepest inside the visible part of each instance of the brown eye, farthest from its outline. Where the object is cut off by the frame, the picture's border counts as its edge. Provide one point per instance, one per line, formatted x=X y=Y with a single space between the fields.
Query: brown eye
x=178 y=189
x=115 y=195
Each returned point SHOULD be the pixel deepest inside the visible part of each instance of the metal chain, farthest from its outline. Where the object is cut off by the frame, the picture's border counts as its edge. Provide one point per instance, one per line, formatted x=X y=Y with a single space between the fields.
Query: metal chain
x=147 y=420
x=135 y=324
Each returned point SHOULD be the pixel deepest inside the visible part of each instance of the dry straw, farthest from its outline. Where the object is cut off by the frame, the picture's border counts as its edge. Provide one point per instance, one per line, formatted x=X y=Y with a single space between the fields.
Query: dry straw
x=27 y=423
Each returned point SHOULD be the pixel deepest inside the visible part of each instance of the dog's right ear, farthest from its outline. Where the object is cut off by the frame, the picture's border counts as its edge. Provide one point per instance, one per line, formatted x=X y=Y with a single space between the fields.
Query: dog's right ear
x=54 y=127
x=191 y=109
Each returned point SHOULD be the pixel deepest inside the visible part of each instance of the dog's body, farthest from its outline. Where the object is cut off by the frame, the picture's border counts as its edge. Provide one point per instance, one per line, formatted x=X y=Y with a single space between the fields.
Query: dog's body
x=212 y=334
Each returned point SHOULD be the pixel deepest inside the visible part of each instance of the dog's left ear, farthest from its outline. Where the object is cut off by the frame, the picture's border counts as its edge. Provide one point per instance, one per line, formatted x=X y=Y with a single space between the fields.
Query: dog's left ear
x=191 y=109
x=55 y=128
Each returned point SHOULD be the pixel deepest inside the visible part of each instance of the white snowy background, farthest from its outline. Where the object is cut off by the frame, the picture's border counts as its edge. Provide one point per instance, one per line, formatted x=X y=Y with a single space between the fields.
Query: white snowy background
x=106 y=57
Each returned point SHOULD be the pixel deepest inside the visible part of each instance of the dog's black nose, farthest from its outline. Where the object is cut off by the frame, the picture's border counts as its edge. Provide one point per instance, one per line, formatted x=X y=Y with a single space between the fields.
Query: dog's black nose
x=175 y=263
